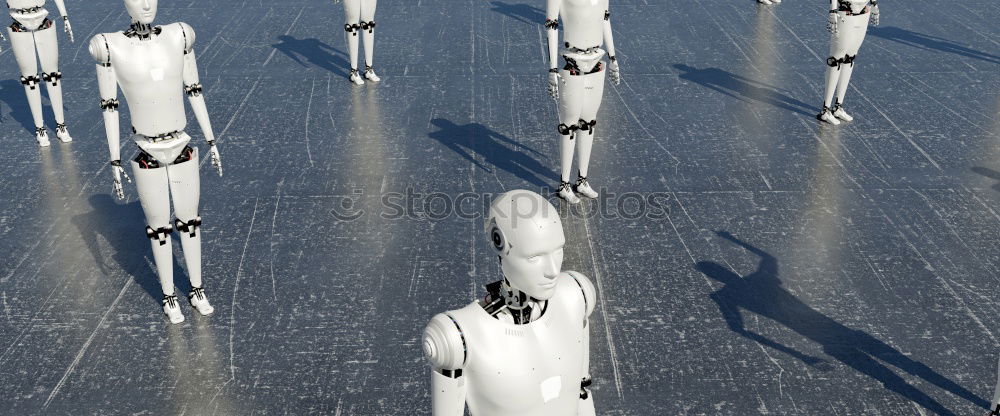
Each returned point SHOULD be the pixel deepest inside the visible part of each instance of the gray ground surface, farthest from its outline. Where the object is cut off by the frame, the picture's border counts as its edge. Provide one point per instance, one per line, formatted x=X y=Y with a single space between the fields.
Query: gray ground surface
x=870 y=287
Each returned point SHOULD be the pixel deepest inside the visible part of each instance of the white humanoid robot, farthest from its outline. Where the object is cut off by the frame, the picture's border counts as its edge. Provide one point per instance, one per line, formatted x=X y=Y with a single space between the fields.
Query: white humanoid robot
x=154 y=66
x=525 y=349
x=848 y=24
x=32 y=31
x=586 y=26
x=359 y=16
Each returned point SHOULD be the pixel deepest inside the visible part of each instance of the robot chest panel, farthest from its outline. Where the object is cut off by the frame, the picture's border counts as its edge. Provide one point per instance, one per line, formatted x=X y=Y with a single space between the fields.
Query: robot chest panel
x=540 y=365
x=25 y=4
x=151 y=66
x=583 y=22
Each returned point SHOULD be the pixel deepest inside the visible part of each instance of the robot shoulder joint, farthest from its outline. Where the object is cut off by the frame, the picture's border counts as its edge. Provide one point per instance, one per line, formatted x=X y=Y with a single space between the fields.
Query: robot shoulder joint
x=587 y=289
x=444 y=343
x=100 y=50
x=187 y=34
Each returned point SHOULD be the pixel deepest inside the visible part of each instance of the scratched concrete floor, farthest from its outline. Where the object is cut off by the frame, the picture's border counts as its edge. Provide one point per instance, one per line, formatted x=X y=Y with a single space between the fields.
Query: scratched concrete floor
x=860 y=275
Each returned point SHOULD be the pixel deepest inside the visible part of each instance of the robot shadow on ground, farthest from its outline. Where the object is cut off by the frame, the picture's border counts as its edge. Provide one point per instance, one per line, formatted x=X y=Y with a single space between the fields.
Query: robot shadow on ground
x=989 y=173
x=927 y=42
x=315 y=51
x=742 y=88
x=761 y=293
x=12 y=93
x=122 y=226
x=496 y=149
x=520 y=12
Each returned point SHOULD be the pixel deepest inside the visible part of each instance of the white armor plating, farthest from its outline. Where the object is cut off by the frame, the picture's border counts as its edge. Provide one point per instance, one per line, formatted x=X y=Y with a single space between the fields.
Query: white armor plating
x=848 y=25
x=30 y=33
x=579 y=85
x=485 y=359
x=154 y=66
x=359 y=16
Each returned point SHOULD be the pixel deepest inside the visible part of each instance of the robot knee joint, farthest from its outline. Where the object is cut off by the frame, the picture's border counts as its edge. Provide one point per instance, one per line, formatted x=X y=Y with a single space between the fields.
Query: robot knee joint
x=369 y=26
x=159 y=234
x=587 y=126
x=30 y=81
x=190 y=227
x=567 y=130
x=352 y=28
x=52 y=77
x=849 y=59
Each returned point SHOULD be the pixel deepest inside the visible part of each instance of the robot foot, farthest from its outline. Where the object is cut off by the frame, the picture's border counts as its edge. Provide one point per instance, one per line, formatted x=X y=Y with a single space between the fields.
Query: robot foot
x=828 y=116
x=838 y=111
x=356 y=78
x=42 y=137
x=583 y=188
x=566 y=193
x=172 y=309
x=370 y=74
x=200 y=302
x=62 y=134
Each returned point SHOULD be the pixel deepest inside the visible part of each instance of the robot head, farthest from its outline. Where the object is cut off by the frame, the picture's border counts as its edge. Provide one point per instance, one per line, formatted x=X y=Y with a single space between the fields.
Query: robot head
x=142 y=11
x=527 y=234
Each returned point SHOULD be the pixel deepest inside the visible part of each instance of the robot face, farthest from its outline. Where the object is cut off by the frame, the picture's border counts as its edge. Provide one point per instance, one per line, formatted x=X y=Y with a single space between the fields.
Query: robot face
x=527 y=234
x=142 y=11
x=535 y=258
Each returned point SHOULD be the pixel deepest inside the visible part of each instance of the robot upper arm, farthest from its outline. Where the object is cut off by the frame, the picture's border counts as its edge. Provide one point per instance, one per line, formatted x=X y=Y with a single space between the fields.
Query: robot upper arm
x=444 y=343
x=188 y=35
x=100 y=50
x=588 y=290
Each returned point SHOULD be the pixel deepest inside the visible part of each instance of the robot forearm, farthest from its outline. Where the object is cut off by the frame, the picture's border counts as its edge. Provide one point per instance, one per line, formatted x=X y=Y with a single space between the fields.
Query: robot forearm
x=609 y=41
x=201 y=114
x=112 y=130
x=552 y=30
x=448 y=391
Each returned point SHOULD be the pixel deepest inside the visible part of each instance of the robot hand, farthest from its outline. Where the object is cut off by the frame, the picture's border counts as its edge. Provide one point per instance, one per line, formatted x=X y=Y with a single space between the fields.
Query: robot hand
x=613 y=71
x=554 y=84
x=216 y=159
x=831 y=23
x=68 y=28
x=875 y=16
x=118 y=172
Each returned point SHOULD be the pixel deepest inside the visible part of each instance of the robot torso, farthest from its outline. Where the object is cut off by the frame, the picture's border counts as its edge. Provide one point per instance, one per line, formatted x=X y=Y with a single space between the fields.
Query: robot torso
x=533 y=369
x=150 y=73
x=583 y=22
